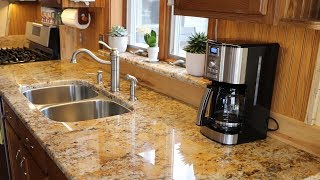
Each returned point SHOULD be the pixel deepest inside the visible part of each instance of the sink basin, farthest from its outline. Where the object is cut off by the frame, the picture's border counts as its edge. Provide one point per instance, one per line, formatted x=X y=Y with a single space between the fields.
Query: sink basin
x=59 y=94
x=80 y=111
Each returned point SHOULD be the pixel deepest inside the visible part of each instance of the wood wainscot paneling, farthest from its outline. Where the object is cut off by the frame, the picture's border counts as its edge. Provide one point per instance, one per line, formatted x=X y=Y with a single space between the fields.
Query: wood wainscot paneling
x=296 y=62
x=73 y=38
x=68 y=41
x=20 y=13
x=188 y=93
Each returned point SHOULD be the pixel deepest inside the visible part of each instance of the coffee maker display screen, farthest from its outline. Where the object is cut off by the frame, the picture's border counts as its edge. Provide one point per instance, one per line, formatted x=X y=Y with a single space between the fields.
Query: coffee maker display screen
x=214 y=50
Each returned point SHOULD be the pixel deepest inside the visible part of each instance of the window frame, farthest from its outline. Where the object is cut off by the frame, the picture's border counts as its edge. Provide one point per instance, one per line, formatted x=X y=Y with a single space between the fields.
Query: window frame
x=164 y=38
x=176 y=28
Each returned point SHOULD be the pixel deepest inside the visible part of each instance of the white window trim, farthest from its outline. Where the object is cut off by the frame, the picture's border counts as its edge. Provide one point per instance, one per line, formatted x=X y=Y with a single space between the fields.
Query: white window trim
x=133 y=9
x=131 y=21
x=175 y=31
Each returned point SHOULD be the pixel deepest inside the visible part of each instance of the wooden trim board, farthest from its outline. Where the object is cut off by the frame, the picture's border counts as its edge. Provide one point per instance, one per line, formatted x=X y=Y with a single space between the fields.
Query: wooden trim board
x=185 y=92
x=313 y=109
x=297 y=134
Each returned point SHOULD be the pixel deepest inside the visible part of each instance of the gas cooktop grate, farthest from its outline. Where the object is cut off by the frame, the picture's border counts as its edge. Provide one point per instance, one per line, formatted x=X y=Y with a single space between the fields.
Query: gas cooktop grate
x=20 y=55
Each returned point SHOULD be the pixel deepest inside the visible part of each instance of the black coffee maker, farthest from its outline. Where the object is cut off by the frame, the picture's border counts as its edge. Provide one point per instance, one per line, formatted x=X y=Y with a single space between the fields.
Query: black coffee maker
x=236 y=106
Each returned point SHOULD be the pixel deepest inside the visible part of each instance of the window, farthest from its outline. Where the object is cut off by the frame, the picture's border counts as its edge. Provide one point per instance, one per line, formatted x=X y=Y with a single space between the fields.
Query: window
x=181 y=28
x=142 y=14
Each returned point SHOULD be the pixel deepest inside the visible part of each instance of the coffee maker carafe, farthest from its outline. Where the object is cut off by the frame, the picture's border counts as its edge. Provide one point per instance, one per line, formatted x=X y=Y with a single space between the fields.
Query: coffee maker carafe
x=235 y=107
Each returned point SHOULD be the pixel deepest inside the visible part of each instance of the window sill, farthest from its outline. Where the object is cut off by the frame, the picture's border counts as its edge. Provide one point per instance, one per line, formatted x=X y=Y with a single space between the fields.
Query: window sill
x=163 y=68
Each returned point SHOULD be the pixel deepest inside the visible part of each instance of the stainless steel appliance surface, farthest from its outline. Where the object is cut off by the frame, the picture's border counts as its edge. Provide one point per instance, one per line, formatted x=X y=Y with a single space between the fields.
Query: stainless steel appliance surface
x=236 y=106
x=44 y=45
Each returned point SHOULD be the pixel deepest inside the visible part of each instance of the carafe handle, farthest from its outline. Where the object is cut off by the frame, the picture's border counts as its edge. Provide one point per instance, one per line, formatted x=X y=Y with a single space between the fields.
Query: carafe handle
x=203 y=106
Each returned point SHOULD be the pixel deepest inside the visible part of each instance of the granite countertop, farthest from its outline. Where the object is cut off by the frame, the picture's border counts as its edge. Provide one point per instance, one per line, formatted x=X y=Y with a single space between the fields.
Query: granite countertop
x=14 y=41
x=158 y=139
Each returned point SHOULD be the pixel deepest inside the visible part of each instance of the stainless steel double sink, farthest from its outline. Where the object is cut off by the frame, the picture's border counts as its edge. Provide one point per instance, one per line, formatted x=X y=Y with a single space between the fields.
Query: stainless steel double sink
x=72 y=103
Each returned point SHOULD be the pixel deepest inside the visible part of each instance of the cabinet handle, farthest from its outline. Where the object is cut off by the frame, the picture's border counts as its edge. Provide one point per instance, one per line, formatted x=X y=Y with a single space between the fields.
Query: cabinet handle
x=23 y=159
x=18 y=152
x=29 y=143
x=23 y=168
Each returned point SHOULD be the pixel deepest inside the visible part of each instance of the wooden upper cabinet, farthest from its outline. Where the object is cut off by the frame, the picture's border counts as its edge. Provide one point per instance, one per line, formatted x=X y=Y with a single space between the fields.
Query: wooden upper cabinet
x=258 y=7
x=303 y=10
x=262 y=11
x=51 y=3
x=305 y=13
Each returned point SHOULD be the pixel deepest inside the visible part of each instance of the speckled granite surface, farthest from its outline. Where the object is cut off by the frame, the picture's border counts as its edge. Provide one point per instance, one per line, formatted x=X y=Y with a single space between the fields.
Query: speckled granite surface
x=157 y=140
x=13 y=41
x=163 y=68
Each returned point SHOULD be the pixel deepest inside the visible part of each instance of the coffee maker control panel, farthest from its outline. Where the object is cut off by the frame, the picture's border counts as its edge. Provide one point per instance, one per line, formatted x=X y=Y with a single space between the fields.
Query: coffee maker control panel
x=212 y=68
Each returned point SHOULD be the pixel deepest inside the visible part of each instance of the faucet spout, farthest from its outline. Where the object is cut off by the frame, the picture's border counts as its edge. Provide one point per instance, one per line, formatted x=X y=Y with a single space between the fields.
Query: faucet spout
x=115 y=63
x=83 y=50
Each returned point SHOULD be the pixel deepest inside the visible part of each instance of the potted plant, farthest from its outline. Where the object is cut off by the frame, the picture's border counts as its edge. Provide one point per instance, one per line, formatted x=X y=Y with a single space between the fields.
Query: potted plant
x=118 y=38
x=195 y=57
x=153 y=49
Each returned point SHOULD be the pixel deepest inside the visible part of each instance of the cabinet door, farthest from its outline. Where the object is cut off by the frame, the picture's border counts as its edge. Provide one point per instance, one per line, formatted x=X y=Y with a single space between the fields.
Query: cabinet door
x=258 y=11
x=21 y=163
x=28 y=160
x=29 y=168
x=14 y=153
x=256 y=7
x=51 y=3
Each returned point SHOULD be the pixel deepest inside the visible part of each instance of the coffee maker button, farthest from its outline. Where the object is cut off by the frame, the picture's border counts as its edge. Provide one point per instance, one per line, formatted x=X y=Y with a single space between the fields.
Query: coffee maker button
x=212 y=64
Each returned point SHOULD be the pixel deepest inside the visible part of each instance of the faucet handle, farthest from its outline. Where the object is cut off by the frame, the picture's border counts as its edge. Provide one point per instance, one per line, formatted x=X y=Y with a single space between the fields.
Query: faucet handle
x=133 y=83
x=105 y=44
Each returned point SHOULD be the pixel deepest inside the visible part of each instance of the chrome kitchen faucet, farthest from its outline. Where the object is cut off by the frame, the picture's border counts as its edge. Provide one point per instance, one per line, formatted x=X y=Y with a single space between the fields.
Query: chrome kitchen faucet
x=115 y=63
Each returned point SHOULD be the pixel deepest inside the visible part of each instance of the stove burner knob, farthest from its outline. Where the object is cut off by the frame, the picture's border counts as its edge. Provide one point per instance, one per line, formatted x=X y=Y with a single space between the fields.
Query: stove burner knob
x=212 y=64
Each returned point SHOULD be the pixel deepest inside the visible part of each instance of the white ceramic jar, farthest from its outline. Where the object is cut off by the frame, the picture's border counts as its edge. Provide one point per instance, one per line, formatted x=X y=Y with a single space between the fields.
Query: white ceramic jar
x=120 y=43
x=153 y=53
x=195 y=64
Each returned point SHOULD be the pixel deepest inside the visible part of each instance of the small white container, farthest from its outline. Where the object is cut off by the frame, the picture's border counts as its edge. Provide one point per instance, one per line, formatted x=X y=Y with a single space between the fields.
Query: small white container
x=153 y=53
x=120 y=43
x=195 y=64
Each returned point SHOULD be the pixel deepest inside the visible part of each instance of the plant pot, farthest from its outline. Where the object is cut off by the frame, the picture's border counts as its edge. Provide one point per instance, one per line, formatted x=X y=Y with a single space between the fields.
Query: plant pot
x=120 y=43
x=153 y=53
x=195 y=64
